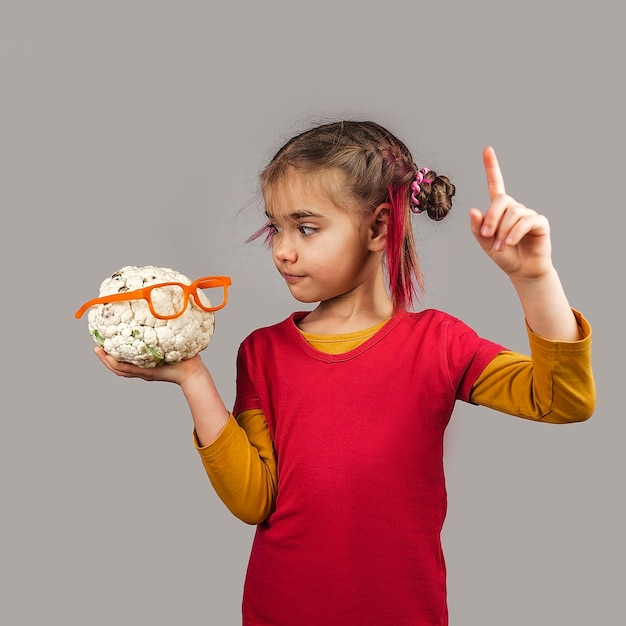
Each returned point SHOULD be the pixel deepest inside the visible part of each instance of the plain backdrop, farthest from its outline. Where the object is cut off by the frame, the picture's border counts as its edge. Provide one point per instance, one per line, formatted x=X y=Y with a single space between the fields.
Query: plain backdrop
x=132 y=133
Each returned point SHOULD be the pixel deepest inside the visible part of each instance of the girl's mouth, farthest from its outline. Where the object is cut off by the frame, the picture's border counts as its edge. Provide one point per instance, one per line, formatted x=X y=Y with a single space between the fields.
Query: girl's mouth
x=292 y=278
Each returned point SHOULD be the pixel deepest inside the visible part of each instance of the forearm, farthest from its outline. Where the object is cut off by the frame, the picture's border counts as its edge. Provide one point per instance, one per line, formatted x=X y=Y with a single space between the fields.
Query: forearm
x=546 y=308
x=207 y=408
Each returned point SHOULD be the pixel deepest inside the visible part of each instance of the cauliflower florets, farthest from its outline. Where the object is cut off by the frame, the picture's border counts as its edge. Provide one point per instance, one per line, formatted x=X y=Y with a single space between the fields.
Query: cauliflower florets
x=129 y=332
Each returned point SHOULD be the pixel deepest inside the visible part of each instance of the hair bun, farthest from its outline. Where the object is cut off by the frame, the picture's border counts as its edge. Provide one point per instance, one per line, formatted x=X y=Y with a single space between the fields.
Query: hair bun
x=436 y=196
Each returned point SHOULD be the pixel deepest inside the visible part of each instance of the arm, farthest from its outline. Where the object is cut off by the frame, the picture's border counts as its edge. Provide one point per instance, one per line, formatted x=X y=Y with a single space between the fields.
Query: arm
x=518 y=240
x=554 y=385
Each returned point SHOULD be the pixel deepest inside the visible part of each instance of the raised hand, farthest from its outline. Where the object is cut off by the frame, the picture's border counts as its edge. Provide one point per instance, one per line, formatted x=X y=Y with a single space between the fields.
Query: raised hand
x=514 y=236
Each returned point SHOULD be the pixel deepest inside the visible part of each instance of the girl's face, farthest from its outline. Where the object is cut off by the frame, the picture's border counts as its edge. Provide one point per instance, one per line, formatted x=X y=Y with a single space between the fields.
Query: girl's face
x=323 y=251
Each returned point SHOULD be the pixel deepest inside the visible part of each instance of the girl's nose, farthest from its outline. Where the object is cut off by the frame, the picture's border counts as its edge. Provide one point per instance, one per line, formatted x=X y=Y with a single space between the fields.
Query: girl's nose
x=283 y=248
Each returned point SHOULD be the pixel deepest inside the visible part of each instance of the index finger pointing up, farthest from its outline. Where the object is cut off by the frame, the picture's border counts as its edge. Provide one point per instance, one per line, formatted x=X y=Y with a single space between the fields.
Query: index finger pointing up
x=495 y=181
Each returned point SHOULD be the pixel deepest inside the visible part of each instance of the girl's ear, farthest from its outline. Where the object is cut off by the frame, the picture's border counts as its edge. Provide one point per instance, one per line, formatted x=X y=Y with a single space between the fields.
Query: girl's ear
x=378 y=227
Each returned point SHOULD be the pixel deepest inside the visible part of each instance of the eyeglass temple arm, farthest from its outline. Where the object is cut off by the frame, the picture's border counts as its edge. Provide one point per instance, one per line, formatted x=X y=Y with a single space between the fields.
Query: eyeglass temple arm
x=115 y=297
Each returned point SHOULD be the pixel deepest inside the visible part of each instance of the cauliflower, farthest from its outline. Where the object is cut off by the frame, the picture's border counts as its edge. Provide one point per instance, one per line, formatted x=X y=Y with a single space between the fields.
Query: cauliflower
x=129 y=332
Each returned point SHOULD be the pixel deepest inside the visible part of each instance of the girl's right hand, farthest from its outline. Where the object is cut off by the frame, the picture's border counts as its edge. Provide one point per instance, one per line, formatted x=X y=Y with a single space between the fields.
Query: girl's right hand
x=173 y=373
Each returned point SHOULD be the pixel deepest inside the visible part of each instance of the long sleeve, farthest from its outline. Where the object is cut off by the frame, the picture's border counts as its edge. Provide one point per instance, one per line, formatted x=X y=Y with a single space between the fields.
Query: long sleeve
x=554 y=385
x=241 y=465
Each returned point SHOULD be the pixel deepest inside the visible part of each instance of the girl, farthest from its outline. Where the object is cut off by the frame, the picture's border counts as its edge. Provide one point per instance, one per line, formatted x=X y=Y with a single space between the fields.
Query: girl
x=335 y=444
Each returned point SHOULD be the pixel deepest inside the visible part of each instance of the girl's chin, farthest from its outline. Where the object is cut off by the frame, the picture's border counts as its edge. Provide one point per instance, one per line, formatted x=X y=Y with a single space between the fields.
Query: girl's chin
x=302 y=297
x=305 y=300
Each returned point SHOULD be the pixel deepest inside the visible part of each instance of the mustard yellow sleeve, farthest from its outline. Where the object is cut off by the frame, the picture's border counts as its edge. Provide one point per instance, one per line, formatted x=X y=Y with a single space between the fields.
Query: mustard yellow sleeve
x=555 y=384
x=241 y=465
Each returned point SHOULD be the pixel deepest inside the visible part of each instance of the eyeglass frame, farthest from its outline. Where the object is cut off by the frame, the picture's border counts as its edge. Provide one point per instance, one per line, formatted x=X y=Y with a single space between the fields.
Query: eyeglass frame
x=144 y=294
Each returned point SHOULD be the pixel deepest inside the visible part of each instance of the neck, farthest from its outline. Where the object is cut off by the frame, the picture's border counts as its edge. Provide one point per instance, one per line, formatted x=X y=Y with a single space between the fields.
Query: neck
x=349 y=313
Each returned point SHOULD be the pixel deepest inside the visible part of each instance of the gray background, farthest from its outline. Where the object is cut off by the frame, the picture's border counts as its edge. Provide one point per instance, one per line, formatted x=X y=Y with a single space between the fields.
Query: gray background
x=132 y=133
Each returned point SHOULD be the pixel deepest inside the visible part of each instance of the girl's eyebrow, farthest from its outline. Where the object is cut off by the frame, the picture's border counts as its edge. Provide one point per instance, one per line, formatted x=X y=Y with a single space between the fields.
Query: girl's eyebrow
x=298 y=215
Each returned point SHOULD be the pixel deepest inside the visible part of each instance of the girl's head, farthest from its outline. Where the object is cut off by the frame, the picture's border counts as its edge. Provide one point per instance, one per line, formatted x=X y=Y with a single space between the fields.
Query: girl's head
x=374 y=167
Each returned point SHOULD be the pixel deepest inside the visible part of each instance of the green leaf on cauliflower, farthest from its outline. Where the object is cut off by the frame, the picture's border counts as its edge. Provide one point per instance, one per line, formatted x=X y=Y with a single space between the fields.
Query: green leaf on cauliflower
x=97 y=336
x=155 y=354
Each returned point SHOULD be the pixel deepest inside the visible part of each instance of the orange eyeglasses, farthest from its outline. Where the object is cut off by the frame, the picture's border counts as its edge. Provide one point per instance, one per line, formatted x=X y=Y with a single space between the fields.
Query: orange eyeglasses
x=170 y=300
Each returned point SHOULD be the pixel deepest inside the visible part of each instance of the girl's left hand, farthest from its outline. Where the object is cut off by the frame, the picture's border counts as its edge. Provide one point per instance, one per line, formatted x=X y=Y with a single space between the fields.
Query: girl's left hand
x=514 y=236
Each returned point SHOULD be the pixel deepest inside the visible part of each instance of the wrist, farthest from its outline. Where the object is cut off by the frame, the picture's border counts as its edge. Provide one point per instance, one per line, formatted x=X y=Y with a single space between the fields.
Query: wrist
x=546 y=307
x=543 y=275
x=194 y=375
x=542 y=287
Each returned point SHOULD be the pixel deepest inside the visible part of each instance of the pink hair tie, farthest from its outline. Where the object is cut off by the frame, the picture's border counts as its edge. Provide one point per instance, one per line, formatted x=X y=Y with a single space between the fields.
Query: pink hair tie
x=415 y=188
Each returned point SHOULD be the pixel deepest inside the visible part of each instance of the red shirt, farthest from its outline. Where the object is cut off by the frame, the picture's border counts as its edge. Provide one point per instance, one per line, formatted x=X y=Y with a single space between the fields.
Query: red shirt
x=355 y=536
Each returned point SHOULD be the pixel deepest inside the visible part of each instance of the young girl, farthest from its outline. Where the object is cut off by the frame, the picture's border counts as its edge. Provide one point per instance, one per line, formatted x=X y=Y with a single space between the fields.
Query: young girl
x=334 y=447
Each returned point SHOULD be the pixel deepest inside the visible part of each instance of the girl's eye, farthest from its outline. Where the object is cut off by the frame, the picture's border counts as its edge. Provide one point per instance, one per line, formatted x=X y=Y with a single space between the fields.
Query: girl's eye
x=307 y=231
